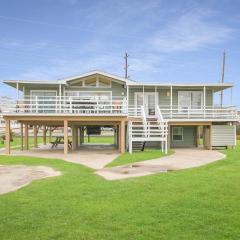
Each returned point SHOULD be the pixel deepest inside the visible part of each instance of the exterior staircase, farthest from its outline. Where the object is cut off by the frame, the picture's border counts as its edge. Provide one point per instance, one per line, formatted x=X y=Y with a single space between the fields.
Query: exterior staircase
x=148 y=130
x=138 y=146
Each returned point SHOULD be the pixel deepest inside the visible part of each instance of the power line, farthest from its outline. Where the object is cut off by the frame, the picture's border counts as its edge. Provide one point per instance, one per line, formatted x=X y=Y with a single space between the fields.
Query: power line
x=223 y=75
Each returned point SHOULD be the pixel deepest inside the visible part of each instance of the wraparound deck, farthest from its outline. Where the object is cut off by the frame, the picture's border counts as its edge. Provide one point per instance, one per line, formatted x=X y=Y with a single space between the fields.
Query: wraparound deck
x=114 y=106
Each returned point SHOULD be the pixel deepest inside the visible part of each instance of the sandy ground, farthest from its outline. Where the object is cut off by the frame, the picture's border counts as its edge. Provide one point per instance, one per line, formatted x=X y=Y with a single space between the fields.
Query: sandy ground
x=13 y=177
x=181 y=159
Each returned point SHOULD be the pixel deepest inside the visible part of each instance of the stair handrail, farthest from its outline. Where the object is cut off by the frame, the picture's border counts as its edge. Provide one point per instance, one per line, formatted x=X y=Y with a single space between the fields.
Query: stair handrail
x=162 y=123
x=144 y=118
x=159 y=115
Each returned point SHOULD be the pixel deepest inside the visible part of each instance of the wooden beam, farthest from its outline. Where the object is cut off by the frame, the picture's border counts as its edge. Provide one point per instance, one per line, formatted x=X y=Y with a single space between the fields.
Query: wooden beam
x=26 y=144
x=119 y=138
x=122 y=142
x=60 y=118
x=21 y=135
x=210 y=137
x=65 y=137
x=74 y=138
x=189 y=123
x=77 y=137
x=81 y=135
x=44 y=135
x=50 y=134
x=35 y=131
x=7 y=137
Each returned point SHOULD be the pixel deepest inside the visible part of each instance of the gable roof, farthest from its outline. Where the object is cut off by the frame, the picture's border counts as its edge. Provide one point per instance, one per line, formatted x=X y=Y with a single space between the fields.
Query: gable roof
x=94 y=72
x=64 y=81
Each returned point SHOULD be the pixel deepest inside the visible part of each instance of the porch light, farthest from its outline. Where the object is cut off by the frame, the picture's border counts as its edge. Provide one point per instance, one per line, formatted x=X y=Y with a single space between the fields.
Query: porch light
x=168 y=93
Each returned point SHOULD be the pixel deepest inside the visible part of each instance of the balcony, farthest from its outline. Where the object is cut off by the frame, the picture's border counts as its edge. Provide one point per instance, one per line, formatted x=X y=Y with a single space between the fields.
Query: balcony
x=210 y=113
x=66 y=106
x=106 y=106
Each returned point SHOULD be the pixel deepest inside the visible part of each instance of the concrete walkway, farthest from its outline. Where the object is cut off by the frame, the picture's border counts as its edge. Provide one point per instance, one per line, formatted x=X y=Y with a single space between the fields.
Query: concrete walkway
x=181 y=159
x=13 y=177
x=92 y=156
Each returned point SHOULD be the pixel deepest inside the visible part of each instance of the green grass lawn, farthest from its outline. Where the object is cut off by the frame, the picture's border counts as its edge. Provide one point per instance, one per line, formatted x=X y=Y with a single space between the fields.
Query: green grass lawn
x=100 y=139
x=147 y=154
x=17 y=141
x=93 y=139
x=200 y=203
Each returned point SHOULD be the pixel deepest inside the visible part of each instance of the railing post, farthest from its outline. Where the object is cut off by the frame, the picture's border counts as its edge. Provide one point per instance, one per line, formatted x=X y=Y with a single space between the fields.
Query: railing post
x=36 y=104
x=70 y=104
x=97 y=106
x=130 y=137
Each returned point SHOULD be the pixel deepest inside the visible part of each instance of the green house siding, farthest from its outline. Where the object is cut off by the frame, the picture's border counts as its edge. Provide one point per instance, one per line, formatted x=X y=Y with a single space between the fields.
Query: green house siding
x=164 y=95
x=189 y=138
x=29 y=88
x=116 y=89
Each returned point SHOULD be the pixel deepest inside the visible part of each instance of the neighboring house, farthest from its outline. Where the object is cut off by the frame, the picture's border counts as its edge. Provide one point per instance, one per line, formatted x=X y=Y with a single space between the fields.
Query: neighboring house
x=5 y=102
x=164 y=114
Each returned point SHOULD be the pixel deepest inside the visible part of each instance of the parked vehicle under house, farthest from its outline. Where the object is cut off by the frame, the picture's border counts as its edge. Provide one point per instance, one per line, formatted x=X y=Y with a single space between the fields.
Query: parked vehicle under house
x=165 y=115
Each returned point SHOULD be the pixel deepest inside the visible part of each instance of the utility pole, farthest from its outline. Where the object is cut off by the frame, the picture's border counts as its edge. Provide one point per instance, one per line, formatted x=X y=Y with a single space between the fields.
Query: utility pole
x=223 y=75
x=126 y=65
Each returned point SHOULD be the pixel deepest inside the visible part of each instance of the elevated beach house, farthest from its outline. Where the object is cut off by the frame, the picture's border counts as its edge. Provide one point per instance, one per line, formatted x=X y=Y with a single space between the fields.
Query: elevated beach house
x=163 y=115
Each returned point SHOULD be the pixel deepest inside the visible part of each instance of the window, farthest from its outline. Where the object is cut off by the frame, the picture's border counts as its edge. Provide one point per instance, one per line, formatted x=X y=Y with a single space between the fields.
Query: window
x=89 y=95
x=177 y=133
x=190 y=99
x=104 y=83
x=90 y=83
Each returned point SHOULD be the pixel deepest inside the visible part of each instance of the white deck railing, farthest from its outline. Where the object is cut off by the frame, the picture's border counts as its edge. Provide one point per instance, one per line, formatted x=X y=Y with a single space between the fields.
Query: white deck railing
x=111 y=106
x=204 y=113
x=68 y=105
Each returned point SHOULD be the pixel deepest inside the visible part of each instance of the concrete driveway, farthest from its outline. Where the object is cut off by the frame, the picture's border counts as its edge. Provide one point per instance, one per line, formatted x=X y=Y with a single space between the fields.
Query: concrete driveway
x=95 y=157
x=181 y=159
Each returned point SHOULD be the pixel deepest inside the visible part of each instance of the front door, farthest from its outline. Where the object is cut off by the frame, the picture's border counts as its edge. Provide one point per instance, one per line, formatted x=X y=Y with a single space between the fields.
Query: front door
x=150 y=100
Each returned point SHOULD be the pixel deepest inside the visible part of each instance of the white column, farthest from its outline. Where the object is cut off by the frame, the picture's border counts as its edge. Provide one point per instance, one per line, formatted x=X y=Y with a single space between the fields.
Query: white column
x=24 y=91
x=143 y=92
x=60 y=97
x=171 y=100
x=204 y=100
x=127 y=97
x=65 y=137
x=17 y=90
x=130 y=137
x=156 y=98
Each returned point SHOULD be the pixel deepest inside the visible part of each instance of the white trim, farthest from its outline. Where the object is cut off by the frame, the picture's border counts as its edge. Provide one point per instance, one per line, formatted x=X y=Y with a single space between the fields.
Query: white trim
x=127 y=95
x=17 y=90
x=204 y=96
x=179 y=135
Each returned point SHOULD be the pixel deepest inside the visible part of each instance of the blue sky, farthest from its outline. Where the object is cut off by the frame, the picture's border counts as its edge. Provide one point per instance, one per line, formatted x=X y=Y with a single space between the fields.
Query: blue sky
x=168 y=41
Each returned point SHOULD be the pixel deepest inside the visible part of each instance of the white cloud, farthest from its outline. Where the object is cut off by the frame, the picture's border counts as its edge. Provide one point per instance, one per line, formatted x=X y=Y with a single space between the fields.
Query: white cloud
x=188 y=32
